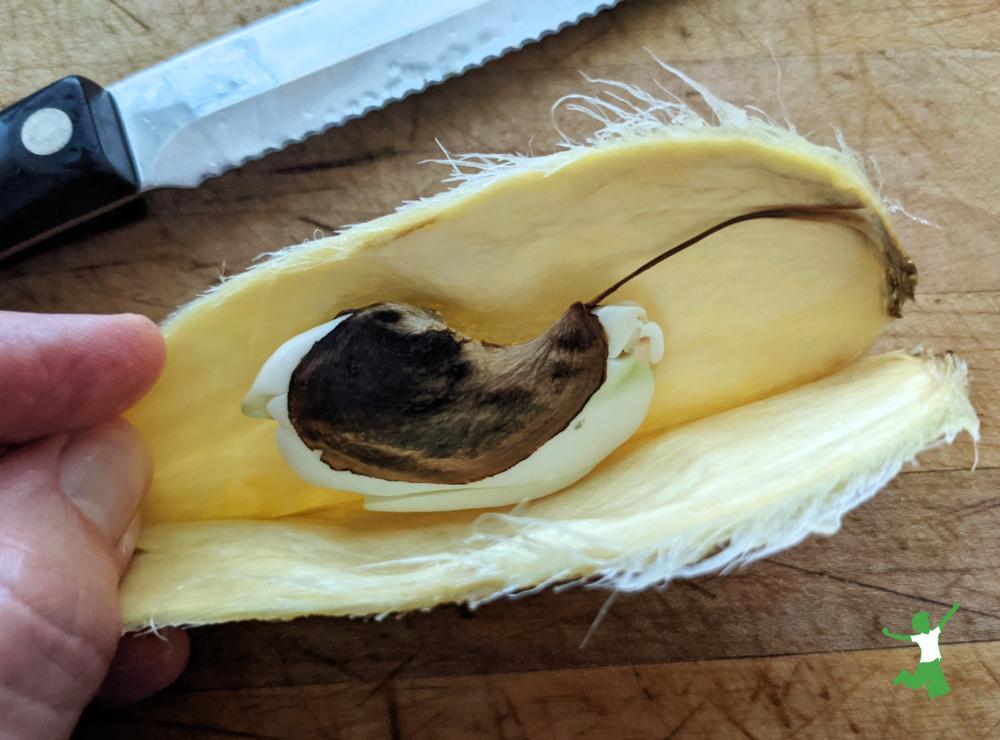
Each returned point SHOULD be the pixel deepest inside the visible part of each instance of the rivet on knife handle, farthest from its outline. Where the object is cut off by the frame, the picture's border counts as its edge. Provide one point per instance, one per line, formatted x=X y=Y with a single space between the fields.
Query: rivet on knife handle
x=63 y=157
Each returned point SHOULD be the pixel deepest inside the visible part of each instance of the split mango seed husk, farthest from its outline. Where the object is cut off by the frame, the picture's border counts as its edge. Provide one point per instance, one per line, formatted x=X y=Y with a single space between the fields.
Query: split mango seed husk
x=763 y=424
x=388 y=401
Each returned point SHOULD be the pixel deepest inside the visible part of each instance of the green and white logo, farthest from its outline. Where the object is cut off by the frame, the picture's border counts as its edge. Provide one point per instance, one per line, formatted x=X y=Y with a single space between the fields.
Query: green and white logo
x=928 y=674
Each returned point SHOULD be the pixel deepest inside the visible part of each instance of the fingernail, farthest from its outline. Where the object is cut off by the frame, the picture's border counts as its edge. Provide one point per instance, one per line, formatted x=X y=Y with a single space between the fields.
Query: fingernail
x=126 y=545
x=105 y=471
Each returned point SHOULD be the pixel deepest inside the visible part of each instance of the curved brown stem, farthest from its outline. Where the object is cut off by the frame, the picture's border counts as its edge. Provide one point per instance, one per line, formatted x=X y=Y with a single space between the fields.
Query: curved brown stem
x=779 y=212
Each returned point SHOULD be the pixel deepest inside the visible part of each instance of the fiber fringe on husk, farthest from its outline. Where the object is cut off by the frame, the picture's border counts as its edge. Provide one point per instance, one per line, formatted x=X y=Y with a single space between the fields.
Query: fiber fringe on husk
x=713 y=546
x=623 y=113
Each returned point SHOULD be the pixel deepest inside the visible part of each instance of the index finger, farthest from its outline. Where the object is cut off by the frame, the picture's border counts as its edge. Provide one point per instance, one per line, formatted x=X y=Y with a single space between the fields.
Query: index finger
x=63 y=372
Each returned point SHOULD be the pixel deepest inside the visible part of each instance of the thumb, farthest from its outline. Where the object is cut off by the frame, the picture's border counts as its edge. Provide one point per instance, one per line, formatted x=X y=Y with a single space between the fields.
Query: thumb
x=65 y=504
x=104 y=473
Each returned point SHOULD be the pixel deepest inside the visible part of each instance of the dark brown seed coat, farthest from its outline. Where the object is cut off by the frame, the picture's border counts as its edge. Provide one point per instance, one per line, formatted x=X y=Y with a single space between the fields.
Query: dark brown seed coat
x=393 y=393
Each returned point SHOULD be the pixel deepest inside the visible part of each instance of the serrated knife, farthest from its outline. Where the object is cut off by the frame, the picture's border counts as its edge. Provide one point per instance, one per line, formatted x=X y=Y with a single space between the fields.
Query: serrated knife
x=74 y=149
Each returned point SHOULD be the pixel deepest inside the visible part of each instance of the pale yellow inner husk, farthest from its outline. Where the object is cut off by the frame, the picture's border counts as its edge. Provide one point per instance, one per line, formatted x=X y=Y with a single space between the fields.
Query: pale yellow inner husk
x=756 y=310
x=754 y=479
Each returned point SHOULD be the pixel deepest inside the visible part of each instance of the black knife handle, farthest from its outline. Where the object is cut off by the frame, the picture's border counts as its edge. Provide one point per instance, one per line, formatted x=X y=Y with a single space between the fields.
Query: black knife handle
x=63 y=157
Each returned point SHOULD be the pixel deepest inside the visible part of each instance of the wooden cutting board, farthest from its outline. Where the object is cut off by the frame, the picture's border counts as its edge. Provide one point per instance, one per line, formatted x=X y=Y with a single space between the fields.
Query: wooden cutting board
x=788 y=646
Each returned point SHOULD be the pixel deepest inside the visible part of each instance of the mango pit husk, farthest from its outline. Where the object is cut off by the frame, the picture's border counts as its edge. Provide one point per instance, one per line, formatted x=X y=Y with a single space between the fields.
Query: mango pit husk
x=766 y=426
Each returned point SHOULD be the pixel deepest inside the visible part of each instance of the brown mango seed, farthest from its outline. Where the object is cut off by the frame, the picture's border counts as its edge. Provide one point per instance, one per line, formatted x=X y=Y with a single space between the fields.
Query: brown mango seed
x=393 y=393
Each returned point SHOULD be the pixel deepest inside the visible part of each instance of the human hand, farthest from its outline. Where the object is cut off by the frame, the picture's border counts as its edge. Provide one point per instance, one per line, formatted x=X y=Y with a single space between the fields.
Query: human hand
x=71 y=478
x=954 y=606
x=885 y=631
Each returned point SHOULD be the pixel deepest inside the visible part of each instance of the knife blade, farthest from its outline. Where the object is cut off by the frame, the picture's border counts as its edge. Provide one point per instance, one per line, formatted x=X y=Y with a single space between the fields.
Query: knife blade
x=74 y=149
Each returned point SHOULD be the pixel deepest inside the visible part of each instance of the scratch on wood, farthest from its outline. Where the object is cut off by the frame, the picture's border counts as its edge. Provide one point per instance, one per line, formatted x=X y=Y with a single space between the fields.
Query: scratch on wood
x=736 y=723
x=512 y=713
x=389 y=676
x=317 y=224
x=980 y=507
x=419 y=730
x=135 y=19
x=680 y=726
x=827 y=708
x=876 y=587
x=990 y=672
x=193 y=729
x=333 y=164
x=650 y=697
x=699 y=588
x=392 y=707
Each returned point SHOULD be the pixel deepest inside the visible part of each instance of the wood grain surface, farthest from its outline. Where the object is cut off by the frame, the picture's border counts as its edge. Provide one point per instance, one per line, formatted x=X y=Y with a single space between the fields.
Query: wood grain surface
x=789 y=646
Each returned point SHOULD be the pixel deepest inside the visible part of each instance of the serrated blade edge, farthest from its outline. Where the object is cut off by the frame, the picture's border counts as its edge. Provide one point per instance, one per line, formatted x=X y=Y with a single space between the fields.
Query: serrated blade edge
x=315 y=66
